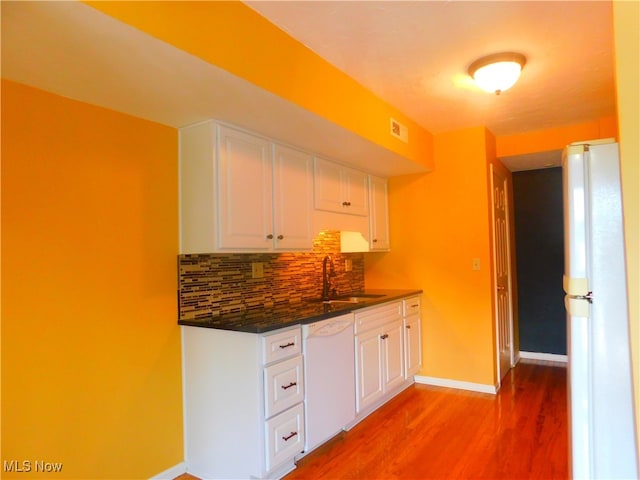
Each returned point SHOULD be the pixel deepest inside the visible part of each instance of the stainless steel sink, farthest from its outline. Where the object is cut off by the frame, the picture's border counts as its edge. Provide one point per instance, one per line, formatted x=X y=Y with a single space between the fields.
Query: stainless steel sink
x=346 y=300
x=356 y=298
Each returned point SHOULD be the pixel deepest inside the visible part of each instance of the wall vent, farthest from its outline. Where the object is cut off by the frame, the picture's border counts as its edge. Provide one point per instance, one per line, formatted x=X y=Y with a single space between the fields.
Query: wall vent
x=401 y=132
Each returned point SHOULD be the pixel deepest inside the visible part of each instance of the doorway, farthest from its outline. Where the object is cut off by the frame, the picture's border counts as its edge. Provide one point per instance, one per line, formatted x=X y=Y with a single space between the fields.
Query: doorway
x=539 y=236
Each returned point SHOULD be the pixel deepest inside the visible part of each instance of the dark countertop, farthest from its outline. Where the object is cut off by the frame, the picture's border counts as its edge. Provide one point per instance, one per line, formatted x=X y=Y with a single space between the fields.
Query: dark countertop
x=268 y=319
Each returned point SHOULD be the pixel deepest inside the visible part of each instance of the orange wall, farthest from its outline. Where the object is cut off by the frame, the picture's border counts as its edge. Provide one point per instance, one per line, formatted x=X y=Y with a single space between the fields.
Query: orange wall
x=242 y=42
x=555 y=138
x=626 y=16
x=439 y=222
x=90 y=345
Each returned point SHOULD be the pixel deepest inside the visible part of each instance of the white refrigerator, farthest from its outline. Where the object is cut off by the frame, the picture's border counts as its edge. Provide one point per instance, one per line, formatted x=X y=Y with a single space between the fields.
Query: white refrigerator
x=601 y=409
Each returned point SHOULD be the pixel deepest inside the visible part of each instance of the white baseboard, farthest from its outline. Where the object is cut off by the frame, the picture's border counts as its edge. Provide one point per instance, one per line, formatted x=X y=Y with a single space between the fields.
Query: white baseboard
x=445 y=382
x=550 y=357
x=171 y=473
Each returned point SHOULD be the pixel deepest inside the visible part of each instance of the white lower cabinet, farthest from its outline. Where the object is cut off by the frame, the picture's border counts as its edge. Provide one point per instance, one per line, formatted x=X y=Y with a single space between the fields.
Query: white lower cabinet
x=379 y=354
x=243 y=402
x=244 y=393
x=284 y=436
x=283 y=385
x=412 y=336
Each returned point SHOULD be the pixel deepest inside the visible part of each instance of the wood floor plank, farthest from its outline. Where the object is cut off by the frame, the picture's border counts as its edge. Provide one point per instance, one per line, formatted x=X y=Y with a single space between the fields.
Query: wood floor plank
x=439 y=433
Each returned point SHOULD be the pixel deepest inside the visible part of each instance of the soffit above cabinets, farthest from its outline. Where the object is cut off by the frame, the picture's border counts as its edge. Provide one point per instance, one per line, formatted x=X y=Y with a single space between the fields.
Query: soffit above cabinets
x=75 y=51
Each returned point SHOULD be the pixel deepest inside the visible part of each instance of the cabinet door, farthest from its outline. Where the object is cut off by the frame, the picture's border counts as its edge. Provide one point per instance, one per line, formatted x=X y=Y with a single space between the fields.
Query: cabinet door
x=292 y=198
x=340 y=189
x=355 y=185
x=412 y=345
x=393 y=356
x=379 y=214
x=244 y=191
x=328 y=186
x=369 y=387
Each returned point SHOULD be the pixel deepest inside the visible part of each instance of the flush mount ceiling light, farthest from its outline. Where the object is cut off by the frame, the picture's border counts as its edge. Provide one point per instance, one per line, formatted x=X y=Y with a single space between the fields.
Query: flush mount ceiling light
x=498 y=72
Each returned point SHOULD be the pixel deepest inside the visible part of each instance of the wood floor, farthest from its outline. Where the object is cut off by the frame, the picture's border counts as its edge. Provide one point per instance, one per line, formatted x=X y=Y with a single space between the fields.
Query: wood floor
x=438 y=433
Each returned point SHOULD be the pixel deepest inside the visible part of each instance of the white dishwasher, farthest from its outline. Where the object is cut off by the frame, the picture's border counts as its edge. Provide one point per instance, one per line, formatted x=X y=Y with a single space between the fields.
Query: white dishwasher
x=329 y=373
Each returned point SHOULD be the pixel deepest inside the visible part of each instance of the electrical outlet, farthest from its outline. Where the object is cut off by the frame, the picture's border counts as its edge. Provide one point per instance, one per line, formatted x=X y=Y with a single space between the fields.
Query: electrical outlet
x=348 y=265
x=475 y=264
x=257 y=270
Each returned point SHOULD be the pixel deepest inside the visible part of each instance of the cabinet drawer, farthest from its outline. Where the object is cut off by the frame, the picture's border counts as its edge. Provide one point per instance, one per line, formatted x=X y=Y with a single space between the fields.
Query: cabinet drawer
x=411 y=306
x=377 y=316
x=283 y=385
x=284 y=436
x=281 y=345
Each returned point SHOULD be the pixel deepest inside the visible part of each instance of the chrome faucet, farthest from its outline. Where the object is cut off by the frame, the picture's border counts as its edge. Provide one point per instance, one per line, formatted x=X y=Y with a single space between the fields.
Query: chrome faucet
x=327 y=291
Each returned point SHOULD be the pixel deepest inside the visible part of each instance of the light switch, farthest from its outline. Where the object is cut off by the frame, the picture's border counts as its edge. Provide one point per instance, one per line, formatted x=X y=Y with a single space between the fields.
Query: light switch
x=475 y=264
x=348 y=265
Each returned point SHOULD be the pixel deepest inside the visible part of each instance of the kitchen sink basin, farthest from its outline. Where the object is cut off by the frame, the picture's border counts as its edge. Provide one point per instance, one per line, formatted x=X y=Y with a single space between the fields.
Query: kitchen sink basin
x=354 y=298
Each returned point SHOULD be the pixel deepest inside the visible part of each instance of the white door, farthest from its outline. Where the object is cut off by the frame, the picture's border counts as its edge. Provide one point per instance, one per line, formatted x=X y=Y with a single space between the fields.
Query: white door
x=369 y=386
x=292 y=198
x=412 y=340
x=328 y=186
x=355 y=187
x=379 y=213
x=502 y=273
x=602 y=436
x=393 y=356
x=245 y=195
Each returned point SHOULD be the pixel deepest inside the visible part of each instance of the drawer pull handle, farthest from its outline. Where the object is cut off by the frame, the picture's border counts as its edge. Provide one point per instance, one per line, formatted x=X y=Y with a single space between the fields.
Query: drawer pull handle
x=270 y=236
x=285 y=387
x=415 y=305
x=280 y=237
x=346 y=204
x=408 y=326
x=385 y=336
x=287 y=345
x=289 y=437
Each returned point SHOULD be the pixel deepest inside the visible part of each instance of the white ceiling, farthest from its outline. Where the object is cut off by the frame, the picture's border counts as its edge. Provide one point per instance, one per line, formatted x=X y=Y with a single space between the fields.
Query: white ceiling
x=414 y=55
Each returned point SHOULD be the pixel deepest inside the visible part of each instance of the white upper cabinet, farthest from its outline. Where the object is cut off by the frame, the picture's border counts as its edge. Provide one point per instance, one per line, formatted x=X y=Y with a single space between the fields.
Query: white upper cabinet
x=292 y=198
x=244 y=191
x=340 y=189
x=241 y=192
x=379 y=214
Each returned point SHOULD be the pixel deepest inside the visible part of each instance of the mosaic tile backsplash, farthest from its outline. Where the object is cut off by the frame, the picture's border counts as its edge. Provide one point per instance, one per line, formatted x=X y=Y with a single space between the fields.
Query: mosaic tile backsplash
x=215 y=284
